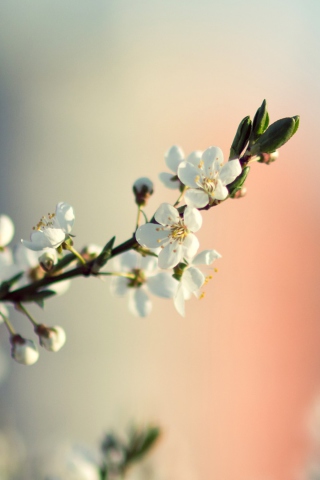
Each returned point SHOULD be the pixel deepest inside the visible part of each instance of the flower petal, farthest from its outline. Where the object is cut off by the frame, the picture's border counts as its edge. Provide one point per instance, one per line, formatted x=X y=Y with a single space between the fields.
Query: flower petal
x=196 y=198
x=119 y=286
x=169 y=180
x=188 y=174
x=192 y=279
x=128 y=260
x=171 y=255
x=206 y=257
x=190 y=247
x=65 y=216
x=213 y=158
x=192 y=219
x=230 y=171
x=179 y=300
x=6 y=230
x=151 y=235
x=221 y=192
x=148 y=263
x=194 y=158
x=162 y=285
x=167 y=215
x=49 y=238
x=173 y=157
x=139 y=303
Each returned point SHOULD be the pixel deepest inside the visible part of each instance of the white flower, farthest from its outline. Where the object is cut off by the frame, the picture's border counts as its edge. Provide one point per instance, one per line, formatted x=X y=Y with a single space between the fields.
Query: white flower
x=193 y=279
x=173 y=159
x=51 y=338
x=208 y=179
x=6 y=230
x=174 y=234
x=23 y=351
x=144 y=278
x=51 y=232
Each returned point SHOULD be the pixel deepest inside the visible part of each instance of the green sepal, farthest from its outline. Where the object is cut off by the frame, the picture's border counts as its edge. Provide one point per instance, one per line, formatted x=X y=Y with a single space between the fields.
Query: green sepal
x=104 y=256
x=297 y=120
x=238 y=183
x=241 y=138
x=260 y=122
x=275 y=136
x=7 y=284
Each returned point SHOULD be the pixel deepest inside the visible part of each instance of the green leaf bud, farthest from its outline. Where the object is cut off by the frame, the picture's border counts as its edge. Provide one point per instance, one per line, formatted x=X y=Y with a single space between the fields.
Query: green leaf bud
x=260 y=122
x=275 y=136
x=241 y=138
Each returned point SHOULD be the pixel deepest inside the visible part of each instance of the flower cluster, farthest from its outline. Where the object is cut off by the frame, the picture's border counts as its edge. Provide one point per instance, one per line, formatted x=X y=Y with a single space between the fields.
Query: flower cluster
x=161 y=258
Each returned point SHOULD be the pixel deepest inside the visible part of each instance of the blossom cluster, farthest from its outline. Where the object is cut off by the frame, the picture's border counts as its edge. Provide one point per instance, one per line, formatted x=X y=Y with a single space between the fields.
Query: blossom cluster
x=162 y=258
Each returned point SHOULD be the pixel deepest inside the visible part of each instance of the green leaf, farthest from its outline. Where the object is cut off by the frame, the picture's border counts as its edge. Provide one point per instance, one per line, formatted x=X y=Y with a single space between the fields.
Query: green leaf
x=275 y=136
x=297 y=120
x=7 y=284
x=238 y=183
x=104 y=256
x=38 y=297
x=260 y=122
x=241 y=138
x=140 y=443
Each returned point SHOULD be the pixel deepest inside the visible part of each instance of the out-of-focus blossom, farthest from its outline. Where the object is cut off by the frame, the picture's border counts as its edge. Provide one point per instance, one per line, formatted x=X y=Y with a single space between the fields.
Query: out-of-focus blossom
x=174 y=234
x=144 y=278
x=6 y=230
x=208 y=178
x=142 y=189
x=23 y=351
x=51 y=232
x=51 y=338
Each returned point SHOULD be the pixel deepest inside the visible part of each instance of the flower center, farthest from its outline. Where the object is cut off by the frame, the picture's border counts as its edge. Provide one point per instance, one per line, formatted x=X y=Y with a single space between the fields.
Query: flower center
x=138 y=280
x=208 y=184
x=45 y=222
x=179 y=231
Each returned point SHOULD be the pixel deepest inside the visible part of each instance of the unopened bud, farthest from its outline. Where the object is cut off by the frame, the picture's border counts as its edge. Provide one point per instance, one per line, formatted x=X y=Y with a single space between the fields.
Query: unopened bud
x=142 y=189
x=268 y=158
x=91 y=251
x=51 y=338
x=23 y=351
x=6 y=230
x=46 y=261
x=240 y=193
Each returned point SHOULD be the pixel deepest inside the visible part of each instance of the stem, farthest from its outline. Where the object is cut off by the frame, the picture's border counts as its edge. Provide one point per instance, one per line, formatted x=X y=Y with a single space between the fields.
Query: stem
x=74 y=251
x=8 y=324
x=138 y=217
x=20 y=307
x=180 y=196
x=118 y=274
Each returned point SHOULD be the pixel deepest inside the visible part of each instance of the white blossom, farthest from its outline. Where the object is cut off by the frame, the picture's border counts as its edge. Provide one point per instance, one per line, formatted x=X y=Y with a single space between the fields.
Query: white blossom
x=207 y=179
x=51 y=232
x=23 y=351
x=173 y=159
x=6 y=230
x=193 y=279
x=144 y=278
x=174 y=234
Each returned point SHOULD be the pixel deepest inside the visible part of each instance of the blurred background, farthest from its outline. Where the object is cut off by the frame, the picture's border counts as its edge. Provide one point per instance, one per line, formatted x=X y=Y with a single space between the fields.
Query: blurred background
x=92 y=94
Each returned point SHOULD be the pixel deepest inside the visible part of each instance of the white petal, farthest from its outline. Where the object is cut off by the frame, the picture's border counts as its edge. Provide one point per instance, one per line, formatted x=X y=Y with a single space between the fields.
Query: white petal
x=221 y=192
x=150 y=235
x=167 y=214
x=171 y=255
x=148 y=263
x=196 y=198
x=4 y=311
x=179 y=300
x=119 y=286
x=192 y=219
x=162 y=285
x=210 y=156
x=206 y=257
x=230 y=171
x=139 y=303
x=6 y=230
x=49 y=238
x=173 y=157
x=168 y=180
x=128 y=260
x=190 y=247
x=60 y=287
x=188 y=174
x=65 y=216
x=192 y=279
x=26 y=258
x=194 y=157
